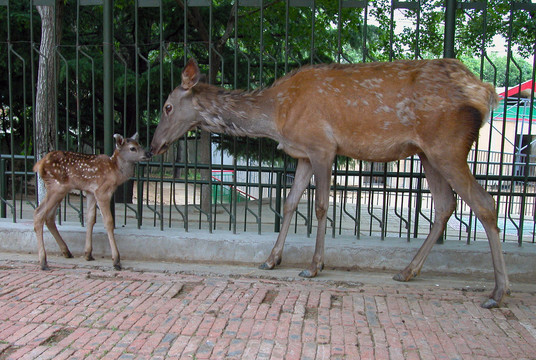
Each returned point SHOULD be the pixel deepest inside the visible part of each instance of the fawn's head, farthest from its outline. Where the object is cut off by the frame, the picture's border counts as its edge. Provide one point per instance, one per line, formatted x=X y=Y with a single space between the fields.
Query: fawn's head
x=179 y=114
x=129 y=149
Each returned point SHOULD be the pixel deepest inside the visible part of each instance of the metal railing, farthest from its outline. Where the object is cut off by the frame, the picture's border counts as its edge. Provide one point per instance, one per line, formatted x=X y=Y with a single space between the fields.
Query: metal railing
x=198 y=184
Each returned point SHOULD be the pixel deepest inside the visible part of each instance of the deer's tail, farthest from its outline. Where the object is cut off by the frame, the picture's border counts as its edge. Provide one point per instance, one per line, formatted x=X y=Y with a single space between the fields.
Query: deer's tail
x=493 y=101
x=38 y=167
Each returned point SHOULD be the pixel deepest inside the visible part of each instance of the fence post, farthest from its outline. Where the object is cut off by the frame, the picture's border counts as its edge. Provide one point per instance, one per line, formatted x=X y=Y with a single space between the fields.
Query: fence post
x=3 y=188
x=450 y=25
x=108 y=95
x=278 y=185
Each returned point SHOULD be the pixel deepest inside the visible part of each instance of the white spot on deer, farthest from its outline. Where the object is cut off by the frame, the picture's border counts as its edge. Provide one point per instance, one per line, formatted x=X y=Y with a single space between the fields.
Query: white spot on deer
x=404 y=111
x=351 y=103
x=383 y=109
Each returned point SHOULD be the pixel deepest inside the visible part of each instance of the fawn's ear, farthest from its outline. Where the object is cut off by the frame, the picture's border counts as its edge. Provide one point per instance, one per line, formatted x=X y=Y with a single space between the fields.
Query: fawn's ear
x=134 y=137
x=190 y=75
x=119 y=141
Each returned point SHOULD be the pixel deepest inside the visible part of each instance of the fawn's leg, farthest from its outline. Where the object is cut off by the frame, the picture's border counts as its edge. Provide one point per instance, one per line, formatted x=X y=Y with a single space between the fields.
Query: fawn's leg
x=104 y=206
x=48 y=205
x=90 y=222
x=51 y=225
x=39 y=222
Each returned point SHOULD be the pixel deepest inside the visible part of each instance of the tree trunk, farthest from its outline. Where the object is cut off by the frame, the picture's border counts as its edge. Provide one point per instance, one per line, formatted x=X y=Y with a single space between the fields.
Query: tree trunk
x=45 y=99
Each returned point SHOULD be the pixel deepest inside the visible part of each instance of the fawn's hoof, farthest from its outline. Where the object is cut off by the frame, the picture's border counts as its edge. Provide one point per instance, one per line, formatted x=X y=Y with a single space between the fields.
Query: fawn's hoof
x=67 y=255
x=89 y=257
x=45 y=267
x=117 y=266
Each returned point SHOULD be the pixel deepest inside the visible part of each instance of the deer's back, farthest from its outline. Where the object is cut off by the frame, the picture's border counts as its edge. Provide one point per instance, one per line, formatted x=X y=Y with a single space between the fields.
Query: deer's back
x=397 y=107
x=74 y=170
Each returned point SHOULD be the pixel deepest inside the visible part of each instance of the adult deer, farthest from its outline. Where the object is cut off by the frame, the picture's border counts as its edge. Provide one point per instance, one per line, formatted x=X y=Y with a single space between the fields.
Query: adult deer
x=98 y=176
x=374 y=112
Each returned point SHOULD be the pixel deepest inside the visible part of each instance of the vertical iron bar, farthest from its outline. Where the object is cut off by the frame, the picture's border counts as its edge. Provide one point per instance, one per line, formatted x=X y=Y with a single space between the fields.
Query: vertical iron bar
x=3 y=189
x=450 y=28
x=107 y=82
x=108 y=75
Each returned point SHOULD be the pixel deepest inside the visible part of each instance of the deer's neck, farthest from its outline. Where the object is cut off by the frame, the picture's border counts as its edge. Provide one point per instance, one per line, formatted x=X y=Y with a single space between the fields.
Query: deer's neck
x=235 y=113
x=125 y=169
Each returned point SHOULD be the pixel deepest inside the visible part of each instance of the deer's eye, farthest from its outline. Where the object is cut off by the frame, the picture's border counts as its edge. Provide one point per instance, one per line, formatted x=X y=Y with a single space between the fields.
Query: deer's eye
x=168 y=108
x=133 y=148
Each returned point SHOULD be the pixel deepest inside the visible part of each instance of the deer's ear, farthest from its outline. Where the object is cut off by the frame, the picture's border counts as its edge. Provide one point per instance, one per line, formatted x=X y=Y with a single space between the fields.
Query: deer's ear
x=134 y=137
x=119 y=140
x=190 y=75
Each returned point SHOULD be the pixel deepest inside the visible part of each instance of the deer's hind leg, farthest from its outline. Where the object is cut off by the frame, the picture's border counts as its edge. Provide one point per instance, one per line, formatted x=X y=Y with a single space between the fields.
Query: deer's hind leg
x=51 y=225
x=45 y=213
x=483 y=205
x=444 y=204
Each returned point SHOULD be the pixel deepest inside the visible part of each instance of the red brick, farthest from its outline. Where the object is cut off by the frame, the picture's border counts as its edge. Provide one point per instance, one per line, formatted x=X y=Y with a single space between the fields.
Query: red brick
x=193 y=345
x=220 y=348
x=236 y=349
x=192 y=325
x=217 y=327
x=178 y=346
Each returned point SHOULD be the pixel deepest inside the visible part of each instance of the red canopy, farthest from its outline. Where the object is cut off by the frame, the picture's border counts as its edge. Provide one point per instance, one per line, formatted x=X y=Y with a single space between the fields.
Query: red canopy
x=518 y=88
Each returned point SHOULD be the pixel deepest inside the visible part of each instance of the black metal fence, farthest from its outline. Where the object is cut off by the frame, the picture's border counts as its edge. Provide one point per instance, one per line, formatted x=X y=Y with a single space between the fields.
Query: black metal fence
x=215 y=182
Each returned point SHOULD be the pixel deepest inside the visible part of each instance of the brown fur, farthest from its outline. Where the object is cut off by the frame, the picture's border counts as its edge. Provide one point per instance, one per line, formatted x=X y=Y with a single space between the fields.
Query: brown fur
x=372 y=111
x=98 y=176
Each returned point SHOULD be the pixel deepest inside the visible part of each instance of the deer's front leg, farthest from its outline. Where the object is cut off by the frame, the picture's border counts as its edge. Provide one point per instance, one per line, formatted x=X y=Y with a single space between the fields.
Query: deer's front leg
x=301 y=180
x=90 y=222
x=322 y=172
x=104 y=205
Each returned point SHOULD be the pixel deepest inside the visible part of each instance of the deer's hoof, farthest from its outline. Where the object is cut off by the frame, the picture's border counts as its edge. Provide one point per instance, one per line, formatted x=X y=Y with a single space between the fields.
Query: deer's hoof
x=406 y=275
x=490 y=304
x=265 y=266
x=399 y=277
x=45 y=267
x=67 y=254
x=89 y=257
x=307 y=274
x=117 y=266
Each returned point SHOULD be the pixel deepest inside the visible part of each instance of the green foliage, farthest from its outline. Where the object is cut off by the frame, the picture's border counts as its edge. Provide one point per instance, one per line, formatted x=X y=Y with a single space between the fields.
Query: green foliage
x=494 y=70
x=149 y=55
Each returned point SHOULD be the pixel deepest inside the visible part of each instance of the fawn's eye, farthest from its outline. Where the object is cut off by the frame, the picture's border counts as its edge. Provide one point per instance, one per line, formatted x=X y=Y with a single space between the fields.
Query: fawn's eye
x=168 y=108
x=132 y=148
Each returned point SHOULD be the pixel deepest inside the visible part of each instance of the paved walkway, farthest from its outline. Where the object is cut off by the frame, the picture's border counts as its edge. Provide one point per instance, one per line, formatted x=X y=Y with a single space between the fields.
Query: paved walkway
x=81 y=310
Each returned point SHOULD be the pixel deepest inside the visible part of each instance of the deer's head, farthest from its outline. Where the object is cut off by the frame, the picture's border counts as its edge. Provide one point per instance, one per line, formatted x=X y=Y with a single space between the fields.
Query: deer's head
x=129 y=149
x=178 y=115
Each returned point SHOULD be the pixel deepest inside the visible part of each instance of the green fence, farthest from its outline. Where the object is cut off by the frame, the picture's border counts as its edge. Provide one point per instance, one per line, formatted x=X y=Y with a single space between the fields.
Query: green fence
x=111 y=65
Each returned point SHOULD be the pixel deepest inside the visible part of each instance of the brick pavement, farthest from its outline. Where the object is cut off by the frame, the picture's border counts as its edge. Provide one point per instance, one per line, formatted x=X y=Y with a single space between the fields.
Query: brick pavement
x=86 y=312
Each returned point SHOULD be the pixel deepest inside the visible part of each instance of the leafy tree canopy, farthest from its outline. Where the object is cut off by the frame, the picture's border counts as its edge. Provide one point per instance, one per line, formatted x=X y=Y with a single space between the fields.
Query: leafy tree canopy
x=266 y=42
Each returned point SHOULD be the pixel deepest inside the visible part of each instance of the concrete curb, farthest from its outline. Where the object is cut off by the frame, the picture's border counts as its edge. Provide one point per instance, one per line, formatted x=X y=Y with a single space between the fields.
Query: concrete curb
x=222 y=247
